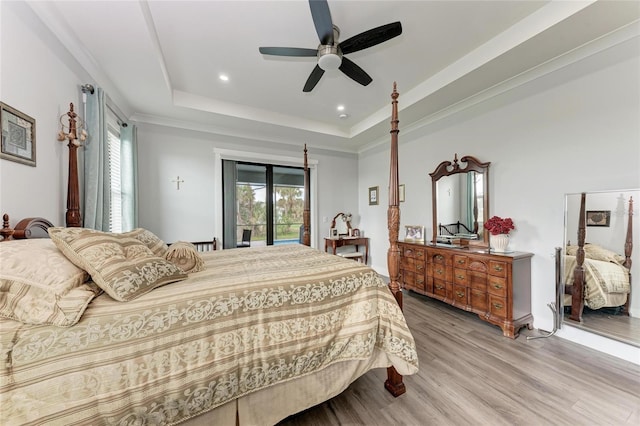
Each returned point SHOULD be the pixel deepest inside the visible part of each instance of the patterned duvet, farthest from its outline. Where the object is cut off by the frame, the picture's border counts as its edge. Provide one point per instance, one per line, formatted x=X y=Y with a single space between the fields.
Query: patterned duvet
x=253 y=318
x=607 y=283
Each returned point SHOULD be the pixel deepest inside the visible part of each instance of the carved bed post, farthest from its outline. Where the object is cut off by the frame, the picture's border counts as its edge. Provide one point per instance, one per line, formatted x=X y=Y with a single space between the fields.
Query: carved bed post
x=306 y=215
x=628 y=247
x=394 y=382
x=577 y=296
x=73 y=218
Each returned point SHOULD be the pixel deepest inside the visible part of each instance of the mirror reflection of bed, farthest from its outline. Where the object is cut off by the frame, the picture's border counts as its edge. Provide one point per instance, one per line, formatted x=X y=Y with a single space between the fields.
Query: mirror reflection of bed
x=611 y=306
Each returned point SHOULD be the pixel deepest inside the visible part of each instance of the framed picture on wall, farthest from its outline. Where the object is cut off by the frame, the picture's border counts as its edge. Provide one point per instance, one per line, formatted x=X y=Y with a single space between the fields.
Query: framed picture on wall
x=598 y=217
x=373 y=195
x=18 y=136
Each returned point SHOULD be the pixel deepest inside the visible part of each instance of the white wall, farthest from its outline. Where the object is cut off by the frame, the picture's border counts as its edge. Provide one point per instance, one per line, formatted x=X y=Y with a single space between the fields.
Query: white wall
x=190 y=213
x=39 y=78
x=572 y=130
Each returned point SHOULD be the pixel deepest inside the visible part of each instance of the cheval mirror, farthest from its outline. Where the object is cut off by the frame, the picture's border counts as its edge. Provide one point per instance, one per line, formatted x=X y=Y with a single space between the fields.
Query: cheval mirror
x=599 y=264
x=460 y=200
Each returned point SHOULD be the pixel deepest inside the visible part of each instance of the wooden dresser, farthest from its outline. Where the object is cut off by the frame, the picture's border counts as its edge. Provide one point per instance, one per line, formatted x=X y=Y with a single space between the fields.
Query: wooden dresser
x=495 y=286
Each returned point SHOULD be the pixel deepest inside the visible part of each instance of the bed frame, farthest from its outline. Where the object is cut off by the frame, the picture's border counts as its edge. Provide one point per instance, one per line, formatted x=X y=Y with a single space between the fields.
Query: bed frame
x=31 y=227
x=576 y=290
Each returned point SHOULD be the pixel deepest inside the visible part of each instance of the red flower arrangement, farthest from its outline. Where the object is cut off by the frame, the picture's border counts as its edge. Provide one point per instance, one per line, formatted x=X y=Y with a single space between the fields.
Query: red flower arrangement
x=497 y=225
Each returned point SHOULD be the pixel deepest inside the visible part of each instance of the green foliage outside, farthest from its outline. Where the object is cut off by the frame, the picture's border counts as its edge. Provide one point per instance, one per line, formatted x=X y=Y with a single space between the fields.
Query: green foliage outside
x=252 y=213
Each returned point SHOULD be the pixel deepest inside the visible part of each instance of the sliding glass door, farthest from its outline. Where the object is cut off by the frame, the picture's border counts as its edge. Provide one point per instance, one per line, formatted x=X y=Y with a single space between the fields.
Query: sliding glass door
x=265 y=199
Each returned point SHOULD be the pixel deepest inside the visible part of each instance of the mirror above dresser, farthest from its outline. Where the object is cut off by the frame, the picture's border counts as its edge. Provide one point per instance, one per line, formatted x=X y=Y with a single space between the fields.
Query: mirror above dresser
x=460 y=200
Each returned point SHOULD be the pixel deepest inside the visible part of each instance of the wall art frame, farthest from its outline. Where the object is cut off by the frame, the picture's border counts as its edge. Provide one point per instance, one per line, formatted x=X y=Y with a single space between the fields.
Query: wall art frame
x=373 y=195
x=18 y=136
x=598 y=217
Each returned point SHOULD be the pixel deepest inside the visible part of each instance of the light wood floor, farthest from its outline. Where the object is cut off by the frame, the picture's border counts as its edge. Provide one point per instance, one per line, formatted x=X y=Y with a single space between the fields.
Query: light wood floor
x=471 y=375
x=604 y=322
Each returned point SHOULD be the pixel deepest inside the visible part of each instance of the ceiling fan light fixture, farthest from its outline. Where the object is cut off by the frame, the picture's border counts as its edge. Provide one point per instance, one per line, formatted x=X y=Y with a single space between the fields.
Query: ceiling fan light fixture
x=329 y=58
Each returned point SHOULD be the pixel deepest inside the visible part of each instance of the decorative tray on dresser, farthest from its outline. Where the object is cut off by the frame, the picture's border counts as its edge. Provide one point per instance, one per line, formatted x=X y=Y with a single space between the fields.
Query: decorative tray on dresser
x=496 y=286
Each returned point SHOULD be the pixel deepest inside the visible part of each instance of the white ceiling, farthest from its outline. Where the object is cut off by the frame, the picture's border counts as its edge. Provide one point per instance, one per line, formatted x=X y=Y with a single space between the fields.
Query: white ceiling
x=160 y=60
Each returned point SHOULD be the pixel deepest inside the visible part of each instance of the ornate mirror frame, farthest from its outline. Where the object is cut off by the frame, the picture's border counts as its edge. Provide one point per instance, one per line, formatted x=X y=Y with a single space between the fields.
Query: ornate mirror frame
x=447 y=168
x=343 y=225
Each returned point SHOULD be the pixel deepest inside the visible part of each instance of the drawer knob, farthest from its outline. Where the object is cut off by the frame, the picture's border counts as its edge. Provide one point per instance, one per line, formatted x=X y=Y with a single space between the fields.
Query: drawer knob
x=439 y=257
x=498 y=268
x=439 y=271
x=497 y=305
x=439 y=287
x=460 y=277
x=460 y=261
x=460 y=294
x=497 y=286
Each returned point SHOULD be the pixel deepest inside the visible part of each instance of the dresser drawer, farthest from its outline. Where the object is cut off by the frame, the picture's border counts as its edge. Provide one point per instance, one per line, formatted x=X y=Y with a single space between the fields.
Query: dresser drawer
x=440 y=288
x=460 y=295
x=408 y=263
x=460 y=277
x=477 y=280
x=478 y=300
x=420 y=267
x=408 y=278
x=497 y=286
x=497 y=269
x=440 y=272
x=460 y=261
x=440 y=259
x=498 y=306
x=420 y=282
x=406 y=251
x=420 y=255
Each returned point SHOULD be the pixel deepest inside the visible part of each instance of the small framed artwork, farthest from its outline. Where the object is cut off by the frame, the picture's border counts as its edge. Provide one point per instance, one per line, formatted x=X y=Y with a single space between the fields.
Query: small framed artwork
x=355 y=232
x=598 y=217
x=18 y=136
x=401 y=192
x=333 y=232
x=373 y=195
x=414 y=234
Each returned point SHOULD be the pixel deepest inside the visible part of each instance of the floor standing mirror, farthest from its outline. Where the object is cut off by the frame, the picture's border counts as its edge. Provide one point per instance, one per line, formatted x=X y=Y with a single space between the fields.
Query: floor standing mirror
x=599 y=265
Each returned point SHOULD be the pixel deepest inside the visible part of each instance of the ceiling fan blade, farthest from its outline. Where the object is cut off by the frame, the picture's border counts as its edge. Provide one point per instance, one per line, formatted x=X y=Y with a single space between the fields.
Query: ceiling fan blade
x=313 y=79
x=354 y=72
x=288 y=51
x=371 y=38
x=322 y=20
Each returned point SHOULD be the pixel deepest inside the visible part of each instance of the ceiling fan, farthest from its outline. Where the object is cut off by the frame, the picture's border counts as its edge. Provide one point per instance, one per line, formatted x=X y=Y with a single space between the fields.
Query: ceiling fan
x=330 y=51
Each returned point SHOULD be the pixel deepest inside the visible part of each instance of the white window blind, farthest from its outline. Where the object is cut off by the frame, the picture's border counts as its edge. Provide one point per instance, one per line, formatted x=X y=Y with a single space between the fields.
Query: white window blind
x=115 y=211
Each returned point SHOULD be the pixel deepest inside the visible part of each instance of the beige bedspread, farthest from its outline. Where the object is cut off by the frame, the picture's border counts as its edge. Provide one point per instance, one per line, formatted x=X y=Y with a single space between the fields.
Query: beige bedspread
x=607 y=283
x=255 y=317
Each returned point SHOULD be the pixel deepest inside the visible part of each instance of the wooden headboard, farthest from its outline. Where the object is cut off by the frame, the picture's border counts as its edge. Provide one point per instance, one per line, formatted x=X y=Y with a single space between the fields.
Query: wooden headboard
x=31 y=227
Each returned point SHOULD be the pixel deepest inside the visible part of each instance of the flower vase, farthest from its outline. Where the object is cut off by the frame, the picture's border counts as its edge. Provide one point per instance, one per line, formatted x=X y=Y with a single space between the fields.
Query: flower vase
x=499 y=243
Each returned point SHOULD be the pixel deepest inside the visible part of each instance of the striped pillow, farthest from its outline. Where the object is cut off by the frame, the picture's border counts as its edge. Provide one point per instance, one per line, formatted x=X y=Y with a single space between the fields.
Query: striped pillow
x=122 y=266
x=38 y=285
x=149 y=239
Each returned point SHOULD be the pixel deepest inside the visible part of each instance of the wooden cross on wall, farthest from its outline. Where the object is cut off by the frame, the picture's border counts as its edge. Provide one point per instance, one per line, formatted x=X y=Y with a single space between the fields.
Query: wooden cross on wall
x=178 y=181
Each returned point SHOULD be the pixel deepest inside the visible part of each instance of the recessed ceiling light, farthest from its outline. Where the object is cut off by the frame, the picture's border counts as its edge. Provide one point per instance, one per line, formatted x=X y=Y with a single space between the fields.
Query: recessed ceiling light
x=343 y=116
x=223 y=77
x=340 y=107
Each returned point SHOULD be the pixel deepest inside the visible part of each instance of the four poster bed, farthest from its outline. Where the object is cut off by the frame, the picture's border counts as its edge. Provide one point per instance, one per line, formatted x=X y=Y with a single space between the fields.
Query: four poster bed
x=102 y=328
x=594 y=276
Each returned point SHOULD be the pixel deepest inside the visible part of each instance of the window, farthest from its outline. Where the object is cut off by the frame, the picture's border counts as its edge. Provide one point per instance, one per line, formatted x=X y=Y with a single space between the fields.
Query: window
x=114 y=152
x=268 y=200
